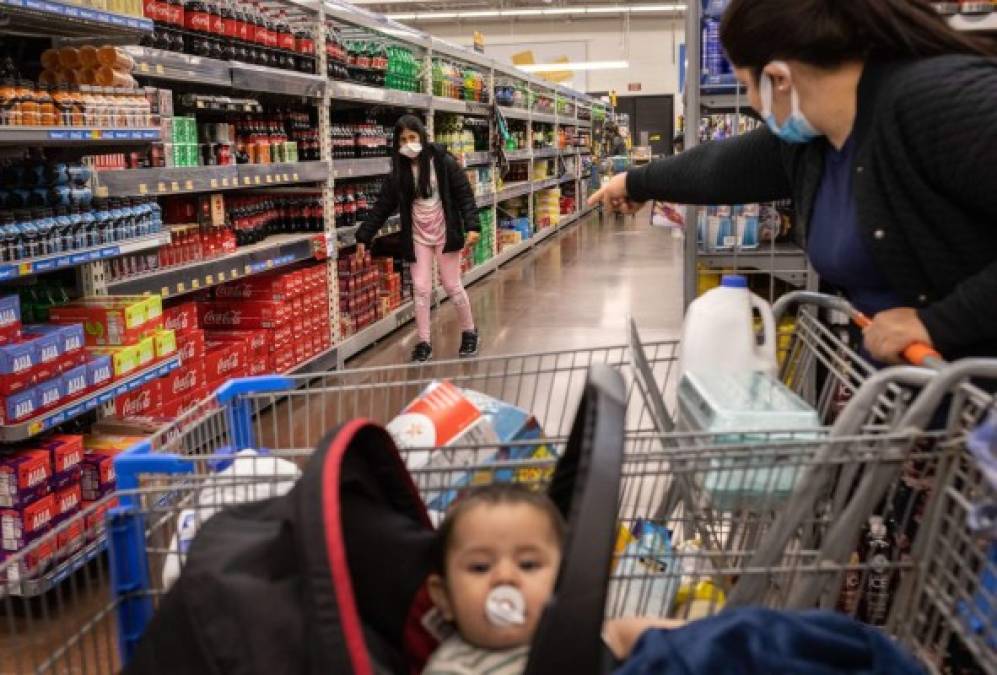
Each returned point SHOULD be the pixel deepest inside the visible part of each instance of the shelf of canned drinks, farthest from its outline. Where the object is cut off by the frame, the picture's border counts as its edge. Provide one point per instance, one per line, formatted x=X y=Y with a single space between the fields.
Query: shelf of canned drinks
x=186 y=180
x=273 y=252
x=64 y=19
x=22 y=431
x=74 y=136
x=50 y=263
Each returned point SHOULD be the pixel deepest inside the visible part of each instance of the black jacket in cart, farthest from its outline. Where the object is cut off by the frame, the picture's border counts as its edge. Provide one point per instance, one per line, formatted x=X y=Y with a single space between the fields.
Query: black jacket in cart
x=459 y=206
x=925 y=186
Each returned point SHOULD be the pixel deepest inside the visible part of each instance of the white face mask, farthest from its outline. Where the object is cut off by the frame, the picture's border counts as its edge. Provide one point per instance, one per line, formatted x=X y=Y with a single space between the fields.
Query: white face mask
x=411 y=150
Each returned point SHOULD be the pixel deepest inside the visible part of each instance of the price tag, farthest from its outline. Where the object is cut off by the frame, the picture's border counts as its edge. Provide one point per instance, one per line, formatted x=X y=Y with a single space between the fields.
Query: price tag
x=35 y=427
x=224 y=182
x=159 y=69
x=221 y=277
x=195 y=284
x=247 y=270
x=209 y=280
x=256 y=180
x=200 y=103
x=269 y=178
x=188 y=185
x=101 y=192
x=287 y=179
x=270 y=264
x=174 y=186
x=143 y=188
x=214 y=183
x=24 y=269
x=164 y=291
x=161 y=187
x=181 y=288
x=246 y=180
x=295 y=177
x=143 y=67
x=234 y=273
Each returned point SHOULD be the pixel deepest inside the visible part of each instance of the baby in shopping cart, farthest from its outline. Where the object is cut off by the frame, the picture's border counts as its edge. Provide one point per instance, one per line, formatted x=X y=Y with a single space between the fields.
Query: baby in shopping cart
x=498 y=556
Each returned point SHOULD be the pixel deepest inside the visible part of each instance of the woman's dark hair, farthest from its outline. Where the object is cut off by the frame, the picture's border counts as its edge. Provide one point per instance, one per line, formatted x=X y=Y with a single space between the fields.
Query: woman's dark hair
x=827 y=33
x=401 y=166
x=496 y=493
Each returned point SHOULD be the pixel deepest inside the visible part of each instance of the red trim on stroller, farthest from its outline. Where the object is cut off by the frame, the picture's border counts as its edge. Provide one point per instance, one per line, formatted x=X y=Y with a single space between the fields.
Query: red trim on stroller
x=336 y=549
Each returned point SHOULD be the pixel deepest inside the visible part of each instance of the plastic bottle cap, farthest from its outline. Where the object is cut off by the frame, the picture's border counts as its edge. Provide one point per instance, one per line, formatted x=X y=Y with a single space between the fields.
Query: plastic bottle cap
x=734 y=281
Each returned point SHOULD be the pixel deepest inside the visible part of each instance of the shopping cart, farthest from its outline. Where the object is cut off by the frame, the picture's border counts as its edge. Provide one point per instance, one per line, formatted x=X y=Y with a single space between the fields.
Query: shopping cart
x=772 y=519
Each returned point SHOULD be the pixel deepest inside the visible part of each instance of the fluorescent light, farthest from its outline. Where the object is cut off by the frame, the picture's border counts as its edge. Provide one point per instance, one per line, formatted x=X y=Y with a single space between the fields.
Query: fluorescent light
x=402 y=17
x=561 y=10
x=522 y=12
x=603 y=10
x=577 y=65
x=479 y=13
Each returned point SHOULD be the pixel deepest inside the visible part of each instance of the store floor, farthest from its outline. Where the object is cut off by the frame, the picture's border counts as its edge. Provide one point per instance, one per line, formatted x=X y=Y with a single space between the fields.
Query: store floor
x=575 y=290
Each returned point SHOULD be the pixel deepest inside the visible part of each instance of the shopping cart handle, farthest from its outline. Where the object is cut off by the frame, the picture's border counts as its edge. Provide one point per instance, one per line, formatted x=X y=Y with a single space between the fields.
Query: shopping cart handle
x=264 y=384
x=918 y=353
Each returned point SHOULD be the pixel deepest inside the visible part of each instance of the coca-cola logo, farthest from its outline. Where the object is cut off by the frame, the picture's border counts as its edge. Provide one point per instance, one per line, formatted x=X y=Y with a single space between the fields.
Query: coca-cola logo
x=218 y=318
x=198 y=21
x=187 y=350
x=178 y=321
x=227 y=363
x=185 y=382
x=137 y=404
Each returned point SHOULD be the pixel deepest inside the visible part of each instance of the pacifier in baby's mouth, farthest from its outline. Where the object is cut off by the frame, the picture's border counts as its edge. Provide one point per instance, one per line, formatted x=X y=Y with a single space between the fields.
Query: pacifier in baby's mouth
x=505 y=606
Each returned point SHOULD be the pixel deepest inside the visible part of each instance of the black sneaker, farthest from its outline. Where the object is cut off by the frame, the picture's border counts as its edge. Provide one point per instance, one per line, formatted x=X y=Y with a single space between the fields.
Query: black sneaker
x=423 y=352
x=468 y=344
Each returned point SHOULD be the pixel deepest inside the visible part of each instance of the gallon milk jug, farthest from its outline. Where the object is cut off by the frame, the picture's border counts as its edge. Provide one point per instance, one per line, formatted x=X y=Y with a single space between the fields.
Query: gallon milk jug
x=718 y=334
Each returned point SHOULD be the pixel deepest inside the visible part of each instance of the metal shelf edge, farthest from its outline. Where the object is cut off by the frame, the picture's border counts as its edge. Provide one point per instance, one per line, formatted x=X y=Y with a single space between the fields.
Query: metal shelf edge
x=75 y=258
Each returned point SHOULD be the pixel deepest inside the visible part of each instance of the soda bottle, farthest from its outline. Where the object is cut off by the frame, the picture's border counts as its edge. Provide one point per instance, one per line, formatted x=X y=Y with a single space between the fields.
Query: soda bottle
x=878 y=554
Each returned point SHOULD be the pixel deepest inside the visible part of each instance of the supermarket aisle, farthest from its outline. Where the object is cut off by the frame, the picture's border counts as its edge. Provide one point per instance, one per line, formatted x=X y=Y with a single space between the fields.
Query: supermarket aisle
x=575 y=290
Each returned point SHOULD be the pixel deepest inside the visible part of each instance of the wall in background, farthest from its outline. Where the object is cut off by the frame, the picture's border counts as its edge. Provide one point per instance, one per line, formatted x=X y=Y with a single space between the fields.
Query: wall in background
x=651 y=46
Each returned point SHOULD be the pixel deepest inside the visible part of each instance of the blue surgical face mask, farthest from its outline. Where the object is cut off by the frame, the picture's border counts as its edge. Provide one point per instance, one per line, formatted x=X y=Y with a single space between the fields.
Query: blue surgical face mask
x=796 y=128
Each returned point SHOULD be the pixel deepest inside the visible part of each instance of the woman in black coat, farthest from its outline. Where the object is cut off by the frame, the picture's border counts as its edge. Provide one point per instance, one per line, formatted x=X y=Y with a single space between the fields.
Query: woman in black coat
x=882 y=128
x=438 y=213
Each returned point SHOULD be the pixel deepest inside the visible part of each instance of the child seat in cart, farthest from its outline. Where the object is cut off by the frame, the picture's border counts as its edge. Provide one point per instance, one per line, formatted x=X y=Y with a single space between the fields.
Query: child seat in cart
x=330 y=577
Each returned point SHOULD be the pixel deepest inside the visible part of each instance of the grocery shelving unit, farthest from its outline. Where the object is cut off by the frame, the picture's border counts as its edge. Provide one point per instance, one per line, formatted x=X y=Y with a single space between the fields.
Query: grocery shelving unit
x=783 y=261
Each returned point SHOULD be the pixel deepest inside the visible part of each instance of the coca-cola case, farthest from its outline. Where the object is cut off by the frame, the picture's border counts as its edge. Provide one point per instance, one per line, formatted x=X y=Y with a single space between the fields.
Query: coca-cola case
x=223 y=361
x=249 y=314
x=191 y=346
x=144 y=401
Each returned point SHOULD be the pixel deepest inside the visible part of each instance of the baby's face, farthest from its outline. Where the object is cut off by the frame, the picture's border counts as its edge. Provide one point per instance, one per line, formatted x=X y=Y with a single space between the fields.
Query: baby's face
x=494 y=545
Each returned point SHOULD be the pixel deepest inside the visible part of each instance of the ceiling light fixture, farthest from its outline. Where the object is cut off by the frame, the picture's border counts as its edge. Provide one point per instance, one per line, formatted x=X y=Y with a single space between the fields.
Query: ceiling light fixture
x=577 y=65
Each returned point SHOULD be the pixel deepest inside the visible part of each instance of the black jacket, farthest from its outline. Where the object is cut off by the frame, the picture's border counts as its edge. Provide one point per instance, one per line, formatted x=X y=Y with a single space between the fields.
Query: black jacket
x=458 y=204
x=925 y=188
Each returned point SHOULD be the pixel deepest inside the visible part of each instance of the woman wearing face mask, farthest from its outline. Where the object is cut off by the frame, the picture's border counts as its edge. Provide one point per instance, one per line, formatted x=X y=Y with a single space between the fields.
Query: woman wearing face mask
x=439 y=216
x=882 y=128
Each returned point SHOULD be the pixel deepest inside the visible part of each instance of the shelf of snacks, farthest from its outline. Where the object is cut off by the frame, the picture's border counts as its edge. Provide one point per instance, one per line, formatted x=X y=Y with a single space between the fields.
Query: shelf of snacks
x=271 y=253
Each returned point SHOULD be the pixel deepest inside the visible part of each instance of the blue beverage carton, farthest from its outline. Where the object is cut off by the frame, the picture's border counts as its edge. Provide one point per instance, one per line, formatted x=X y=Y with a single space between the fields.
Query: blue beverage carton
x=48 y=350
x=50 y=392
x=99 y=371
x=17 y=358
x=20 y=406
x=75 y=381
x=70 y=335
x=10 y=313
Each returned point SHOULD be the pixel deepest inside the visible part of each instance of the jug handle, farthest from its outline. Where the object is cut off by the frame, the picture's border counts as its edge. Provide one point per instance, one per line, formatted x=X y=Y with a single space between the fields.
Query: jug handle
x=767 y=348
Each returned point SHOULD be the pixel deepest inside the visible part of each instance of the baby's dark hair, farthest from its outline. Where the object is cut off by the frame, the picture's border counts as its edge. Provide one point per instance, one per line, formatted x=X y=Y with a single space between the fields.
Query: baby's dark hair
x=496 y=493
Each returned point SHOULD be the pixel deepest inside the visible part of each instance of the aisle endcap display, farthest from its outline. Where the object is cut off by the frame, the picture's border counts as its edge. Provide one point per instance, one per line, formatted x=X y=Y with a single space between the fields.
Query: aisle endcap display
x=271 y=253
x=21 y=431
x=50 y=263
x=57 y=136
x=64 y=19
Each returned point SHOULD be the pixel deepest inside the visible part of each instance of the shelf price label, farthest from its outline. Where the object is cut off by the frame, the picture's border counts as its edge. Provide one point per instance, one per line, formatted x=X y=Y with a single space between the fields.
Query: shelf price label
x=224 y=182
x=256 y=180
x=234 y=273
x=209 y=280
x=221 y=277
x=143 y=188
x=269 y=179
x=214 y=183
x=143 y=67
x=164 y=291
x=160 y=69
x=246 y=180
x=295 y=177
x=161 y=187
x=174 y=186
x=188 y=185
x=195 y=284
x=181 y=288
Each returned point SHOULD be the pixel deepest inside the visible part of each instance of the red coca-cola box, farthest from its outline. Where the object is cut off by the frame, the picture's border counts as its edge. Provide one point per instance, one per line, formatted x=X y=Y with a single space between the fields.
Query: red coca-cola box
x=181 y=404
x=181 y=382
x=224 y=360
x=295 y=283
x=259 y=364
x=263 y=287
x=241 y=315
x=297 y=328
x=256 y=340
x=280 y=337
x=283 y=358
x=180 y=318
x=191 y=346
x=143 y=402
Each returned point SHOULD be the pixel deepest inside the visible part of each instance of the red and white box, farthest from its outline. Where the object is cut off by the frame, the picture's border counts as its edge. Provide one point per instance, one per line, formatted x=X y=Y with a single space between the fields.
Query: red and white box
x=241 y=315
x=68 y=501
x=94 y=522
x=143 y=402
x=191 y=346
x=98 y=478
x=181 y=382
x=24 y=477
x=283 y=358
x=280 y=337
x=20 y=526
x=223 y=361
x=257 y=340
x=70 y=539
x=263 y=287
x=182 y=317
x=66 y=456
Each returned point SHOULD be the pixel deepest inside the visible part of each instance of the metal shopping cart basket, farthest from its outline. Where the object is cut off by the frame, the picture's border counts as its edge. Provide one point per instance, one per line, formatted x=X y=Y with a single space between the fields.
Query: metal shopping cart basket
x=710 y=561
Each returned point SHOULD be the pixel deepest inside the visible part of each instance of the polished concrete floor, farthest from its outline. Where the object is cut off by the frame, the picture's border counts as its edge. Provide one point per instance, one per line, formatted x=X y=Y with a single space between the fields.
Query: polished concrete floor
x=575 y=290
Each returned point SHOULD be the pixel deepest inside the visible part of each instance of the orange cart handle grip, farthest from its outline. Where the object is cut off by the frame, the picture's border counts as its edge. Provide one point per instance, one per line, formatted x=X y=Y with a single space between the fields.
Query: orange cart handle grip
x=918 y=353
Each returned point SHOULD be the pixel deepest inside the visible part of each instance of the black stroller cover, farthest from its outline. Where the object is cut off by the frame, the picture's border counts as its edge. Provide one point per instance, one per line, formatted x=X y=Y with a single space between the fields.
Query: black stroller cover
x=330 y=578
